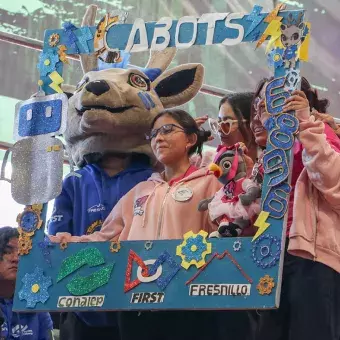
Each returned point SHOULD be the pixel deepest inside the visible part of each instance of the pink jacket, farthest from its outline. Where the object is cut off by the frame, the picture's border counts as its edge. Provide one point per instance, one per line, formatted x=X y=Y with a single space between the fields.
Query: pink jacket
x=315 y=232
x=150 y=212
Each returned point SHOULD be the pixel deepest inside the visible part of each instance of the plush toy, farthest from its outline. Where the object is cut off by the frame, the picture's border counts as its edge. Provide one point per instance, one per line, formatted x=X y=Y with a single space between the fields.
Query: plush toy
x=109 y=113
x=237 y=202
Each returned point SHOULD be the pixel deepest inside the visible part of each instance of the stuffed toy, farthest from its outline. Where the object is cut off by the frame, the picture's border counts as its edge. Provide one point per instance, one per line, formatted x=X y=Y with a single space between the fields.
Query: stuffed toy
x=238 y=201
x=109 y=113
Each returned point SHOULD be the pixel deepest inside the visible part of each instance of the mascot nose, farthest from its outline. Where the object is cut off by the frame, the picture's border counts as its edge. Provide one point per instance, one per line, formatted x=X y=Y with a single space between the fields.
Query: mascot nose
x=98 y=87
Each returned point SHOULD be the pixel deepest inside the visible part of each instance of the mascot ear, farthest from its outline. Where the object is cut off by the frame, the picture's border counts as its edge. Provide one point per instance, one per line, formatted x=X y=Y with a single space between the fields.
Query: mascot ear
x=68 y=90
x=179 y=85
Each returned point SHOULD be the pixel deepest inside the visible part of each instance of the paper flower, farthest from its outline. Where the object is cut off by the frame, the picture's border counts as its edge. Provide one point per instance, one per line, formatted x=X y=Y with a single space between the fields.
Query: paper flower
x=194 y=249
x=275 y=57
x=47 y=62
x=35 y=288
x=29 y=221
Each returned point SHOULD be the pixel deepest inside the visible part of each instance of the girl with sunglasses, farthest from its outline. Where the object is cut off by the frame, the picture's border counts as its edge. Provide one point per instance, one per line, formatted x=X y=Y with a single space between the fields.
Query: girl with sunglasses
x=310 y=293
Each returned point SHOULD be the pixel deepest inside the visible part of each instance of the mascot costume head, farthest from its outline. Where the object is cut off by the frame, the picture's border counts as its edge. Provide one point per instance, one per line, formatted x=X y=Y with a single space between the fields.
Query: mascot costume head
x=111 y=109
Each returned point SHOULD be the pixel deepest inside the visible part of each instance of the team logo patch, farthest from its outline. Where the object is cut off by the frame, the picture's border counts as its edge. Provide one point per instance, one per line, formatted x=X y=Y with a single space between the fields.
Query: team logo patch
x=138 y=206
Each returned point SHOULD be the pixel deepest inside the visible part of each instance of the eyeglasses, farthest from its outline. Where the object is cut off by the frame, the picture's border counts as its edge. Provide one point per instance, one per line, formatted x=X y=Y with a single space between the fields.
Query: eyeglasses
x=226 y=126
x=163 y=130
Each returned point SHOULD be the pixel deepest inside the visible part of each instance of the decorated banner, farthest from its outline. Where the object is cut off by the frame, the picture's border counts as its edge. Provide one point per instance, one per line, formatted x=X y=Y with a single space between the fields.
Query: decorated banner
x=196 y=272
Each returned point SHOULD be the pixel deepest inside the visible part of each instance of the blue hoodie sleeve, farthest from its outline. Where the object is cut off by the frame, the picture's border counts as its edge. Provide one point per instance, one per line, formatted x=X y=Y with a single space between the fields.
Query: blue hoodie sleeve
x=62 y=216
x=45 y=326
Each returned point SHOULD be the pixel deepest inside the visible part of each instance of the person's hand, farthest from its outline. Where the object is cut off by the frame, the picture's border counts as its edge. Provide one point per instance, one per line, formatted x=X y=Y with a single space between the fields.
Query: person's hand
x=200 y=121
x=62 y=238
x=326 y=118
x=297 y=101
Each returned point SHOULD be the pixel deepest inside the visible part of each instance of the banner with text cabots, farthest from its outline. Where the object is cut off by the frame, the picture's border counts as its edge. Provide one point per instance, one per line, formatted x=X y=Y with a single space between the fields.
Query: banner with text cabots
x=196 y=272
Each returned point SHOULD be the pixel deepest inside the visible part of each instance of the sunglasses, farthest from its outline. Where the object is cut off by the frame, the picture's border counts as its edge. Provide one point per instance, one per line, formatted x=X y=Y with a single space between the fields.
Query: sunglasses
x=163 y=130
x=226 y=126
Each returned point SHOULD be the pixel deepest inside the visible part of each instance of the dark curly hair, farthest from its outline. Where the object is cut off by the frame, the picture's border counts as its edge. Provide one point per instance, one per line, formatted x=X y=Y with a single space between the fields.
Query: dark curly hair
x=6 y=234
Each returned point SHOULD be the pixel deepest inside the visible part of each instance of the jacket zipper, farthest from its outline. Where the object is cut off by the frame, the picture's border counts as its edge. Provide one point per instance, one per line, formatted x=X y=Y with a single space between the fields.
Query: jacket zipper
x=160 y=220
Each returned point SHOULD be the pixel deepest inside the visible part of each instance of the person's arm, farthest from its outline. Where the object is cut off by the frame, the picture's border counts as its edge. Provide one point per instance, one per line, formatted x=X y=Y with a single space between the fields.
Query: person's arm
x=119 y=218
x=321 y=161
x=45 y=326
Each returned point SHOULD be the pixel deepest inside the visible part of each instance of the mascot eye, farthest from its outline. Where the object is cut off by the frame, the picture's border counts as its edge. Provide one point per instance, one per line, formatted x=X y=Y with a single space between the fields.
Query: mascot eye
x=138 y=81
x=82 y=83
x=226 y=165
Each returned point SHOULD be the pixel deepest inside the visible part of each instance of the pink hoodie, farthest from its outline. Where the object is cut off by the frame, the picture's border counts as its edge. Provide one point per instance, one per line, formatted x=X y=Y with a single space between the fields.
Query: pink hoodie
x=315 y=232
x=150 y=211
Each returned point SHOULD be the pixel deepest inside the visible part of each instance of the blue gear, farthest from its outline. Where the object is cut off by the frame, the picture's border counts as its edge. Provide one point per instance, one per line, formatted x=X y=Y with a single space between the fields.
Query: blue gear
x=266 y=251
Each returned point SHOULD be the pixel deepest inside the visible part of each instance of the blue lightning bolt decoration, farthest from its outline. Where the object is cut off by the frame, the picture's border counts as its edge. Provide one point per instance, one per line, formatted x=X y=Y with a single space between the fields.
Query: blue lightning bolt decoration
x=84 y=35
x=255 y=17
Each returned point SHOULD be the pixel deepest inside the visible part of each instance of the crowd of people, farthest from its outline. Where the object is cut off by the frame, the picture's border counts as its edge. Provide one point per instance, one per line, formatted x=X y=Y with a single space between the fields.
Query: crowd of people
x=310 y=295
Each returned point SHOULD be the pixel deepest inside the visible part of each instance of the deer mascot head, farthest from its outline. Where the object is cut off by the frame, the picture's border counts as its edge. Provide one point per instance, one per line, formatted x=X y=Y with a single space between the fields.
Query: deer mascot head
x=110 y=110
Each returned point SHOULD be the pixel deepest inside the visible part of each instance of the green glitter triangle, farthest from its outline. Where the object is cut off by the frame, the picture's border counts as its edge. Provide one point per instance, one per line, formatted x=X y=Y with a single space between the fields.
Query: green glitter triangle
x=85 y=285
x=90 y=256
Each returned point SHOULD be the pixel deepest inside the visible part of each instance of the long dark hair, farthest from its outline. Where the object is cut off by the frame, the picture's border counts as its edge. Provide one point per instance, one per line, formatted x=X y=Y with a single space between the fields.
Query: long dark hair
x=241 y=103
x=6 y=234
x=189 y=125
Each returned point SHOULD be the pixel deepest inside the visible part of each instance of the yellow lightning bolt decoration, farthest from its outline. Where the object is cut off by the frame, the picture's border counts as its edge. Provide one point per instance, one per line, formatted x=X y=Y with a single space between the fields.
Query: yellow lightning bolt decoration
x=303 y=49
x=57 y=79
x=261 y=224
x=272 y=27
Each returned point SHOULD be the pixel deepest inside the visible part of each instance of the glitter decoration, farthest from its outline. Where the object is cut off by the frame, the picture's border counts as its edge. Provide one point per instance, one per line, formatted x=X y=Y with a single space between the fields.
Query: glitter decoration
x=273 y=15
x=57 y=80
x=194 y=249
x=62 y=54
x=276 y=200
x=89 y=256
x=237 y=245
x=261 y=223
x=293 y=78
x=115 y=246
x=35 y=288
x=266 y=251
x=85 y=285
x=255 y=17
x=95 y=226
x=220 y=257
x=133 y=257
x=24 y=243
x=265 y=285
x=275 y=163
x=275 y=57
x=69 y=29
x=272 y=99
x=148 y=245
x=165 y=257
x=83 y=35
x=50 y=58
x=256 y=36
x=29 y=221
x=45 y=249
x=54 y=39
x=282 y=137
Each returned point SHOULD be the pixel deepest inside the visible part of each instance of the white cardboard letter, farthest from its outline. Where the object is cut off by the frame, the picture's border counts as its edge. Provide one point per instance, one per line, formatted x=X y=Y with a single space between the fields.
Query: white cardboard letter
x=161 y=32
x=234 y=41
x=210 y=19
x=186 y=19
x=139 y=24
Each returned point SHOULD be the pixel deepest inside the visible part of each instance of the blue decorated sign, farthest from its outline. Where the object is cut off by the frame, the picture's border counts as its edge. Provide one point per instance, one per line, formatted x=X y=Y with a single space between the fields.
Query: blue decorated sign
x=196 y=272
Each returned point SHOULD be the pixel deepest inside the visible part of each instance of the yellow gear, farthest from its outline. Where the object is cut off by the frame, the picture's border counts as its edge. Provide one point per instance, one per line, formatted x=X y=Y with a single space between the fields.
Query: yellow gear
x=54 y=39
x=115 y=246
x=265 y=285
x=25 y=243
x=194 y=249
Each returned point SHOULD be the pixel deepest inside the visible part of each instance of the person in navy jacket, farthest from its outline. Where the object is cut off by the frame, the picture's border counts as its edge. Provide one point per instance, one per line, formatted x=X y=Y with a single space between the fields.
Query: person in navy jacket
x=22 y=326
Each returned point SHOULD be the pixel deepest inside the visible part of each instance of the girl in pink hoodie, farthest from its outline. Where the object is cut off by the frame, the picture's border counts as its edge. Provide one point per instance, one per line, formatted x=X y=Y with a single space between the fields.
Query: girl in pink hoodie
x=310 y=294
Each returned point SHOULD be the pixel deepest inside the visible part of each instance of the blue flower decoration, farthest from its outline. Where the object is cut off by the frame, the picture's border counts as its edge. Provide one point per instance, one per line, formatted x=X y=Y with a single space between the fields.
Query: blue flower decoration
x=47 y=62
x=35 y=288
x=29 y=221
x=275 y=57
